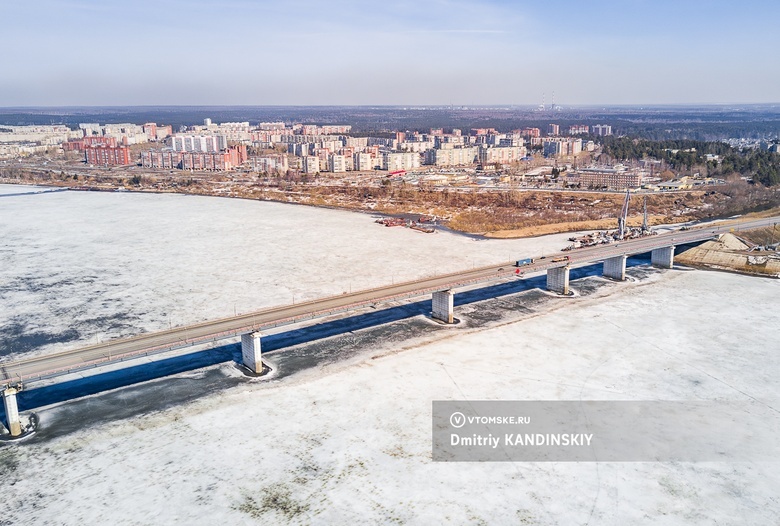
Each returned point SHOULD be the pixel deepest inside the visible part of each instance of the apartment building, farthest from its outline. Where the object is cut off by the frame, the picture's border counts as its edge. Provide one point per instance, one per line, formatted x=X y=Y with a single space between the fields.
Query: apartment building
x=452 y=156
x=310 y=164
x=531 y=132
x=161 y=159
x=157 y=133
x=84 y=142
x=126 y=133
x=276 y=163
x=503 y=155
x=37 y=135
x=337 y=163
x=558 y=146
x=223 y=160
x=394 y=161
x=364 y=162
x=103 y=155
x=198 y=143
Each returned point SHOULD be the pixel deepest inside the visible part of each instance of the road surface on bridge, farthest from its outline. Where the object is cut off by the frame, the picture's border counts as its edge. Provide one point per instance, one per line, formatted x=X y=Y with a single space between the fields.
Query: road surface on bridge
x=213 y=330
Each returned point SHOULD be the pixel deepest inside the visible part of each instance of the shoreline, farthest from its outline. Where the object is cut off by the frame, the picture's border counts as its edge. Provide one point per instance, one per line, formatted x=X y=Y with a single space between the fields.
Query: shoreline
x=561 y=227
x=123 y=189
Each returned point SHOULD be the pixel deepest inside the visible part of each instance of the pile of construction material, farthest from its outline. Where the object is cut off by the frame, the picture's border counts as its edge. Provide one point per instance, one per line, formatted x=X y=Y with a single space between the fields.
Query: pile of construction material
x=729 y=252
x=623 y=230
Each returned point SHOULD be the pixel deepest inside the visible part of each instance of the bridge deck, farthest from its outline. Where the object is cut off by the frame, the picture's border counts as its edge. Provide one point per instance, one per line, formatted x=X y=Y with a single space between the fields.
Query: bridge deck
x=199 y=333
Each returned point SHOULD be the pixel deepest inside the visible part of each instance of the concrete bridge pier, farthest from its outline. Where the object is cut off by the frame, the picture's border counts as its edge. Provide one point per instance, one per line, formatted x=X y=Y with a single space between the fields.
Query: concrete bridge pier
x=615 y=268
x=443 y=306
x=251 y=352
x=662 y=257
x=558 y=280
x=12 y=411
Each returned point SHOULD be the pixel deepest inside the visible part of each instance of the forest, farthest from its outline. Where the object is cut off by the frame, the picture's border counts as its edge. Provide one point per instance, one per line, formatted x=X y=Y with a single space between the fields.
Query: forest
x=762 y=165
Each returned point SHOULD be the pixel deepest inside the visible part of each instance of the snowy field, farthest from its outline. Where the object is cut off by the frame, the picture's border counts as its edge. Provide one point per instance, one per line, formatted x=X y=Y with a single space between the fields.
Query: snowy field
x=350 y=441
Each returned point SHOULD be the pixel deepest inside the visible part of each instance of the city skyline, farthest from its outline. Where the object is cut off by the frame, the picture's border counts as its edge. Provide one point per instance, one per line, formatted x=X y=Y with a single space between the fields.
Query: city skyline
x=372 y=53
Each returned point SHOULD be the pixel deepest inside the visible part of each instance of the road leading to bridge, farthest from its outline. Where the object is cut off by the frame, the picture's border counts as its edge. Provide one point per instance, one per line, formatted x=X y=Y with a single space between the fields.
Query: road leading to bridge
x=199 y=333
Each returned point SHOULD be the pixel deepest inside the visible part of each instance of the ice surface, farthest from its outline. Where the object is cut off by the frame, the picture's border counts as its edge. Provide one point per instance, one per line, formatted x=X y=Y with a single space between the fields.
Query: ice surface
x=350 y=442
x=82 y=267
x=20 y=188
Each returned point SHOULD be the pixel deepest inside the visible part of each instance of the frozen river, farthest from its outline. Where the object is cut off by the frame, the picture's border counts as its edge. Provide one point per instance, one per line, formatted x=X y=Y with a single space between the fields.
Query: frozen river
x=342 y=433
x=79 y=267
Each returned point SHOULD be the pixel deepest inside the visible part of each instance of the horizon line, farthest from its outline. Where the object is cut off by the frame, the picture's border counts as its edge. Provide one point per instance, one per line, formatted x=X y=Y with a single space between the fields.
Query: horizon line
x=408 y=106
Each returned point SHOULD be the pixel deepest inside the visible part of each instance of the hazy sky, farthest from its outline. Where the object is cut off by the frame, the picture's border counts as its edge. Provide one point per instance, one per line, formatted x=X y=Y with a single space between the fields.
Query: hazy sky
x=301 y=52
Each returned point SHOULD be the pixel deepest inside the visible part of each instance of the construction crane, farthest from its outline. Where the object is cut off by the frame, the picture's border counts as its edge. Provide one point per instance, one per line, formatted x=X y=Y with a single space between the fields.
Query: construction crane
x=623 y=215
x=645 y=228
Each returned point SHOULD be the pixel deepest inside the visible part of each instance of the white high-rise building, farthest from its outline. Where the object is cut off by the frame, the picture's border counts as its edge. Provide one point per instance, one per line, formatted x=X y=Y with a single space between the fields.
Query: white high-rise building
x=198 y=143
x=310 y=164
x=395 y=161
x=337 y=163
x=501 y=154
x=452 y=156
x=363 y=162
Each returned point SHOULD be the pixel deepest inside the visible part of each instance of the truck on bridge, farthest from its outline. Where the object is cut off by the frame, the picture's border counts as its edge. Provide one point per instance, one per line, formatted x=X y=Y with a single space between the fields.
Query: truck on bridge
x=523 y=262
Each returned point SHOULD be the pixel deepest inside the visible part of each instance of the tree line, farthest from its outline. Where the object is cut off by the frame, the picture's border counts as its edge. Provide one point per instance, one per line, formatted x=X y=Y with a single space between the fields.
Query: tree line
x=762 y=165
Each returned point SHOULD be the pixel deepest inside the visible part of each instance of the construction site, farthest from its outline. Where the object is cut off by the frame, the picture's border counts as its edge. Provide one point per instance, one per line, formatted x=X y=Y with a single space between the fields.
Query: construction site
x=753 y=252
x=738 y=252
x=622 y=232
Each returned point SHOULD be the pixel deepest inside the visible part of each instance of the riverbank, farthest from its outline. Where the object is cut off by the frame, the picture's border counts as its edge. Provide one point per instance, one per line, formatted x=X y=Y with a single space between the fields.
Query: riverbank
x=496 y=213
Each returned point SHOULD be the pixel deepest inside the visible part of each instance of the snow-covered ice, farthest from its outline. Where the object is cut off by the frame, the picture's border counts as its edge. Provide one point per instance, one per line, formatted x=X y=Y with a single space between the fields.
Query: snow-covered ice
x=351 y=442
x=81 y=267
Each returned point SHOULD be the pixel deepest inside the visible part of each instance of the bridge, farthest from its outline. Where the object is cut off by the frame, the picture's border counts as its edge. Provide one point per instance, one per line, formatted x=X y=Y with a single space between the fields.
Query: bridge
x=13 y=375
